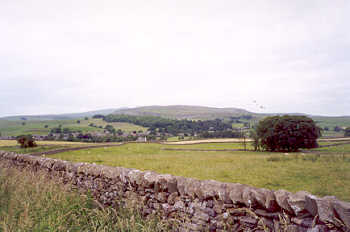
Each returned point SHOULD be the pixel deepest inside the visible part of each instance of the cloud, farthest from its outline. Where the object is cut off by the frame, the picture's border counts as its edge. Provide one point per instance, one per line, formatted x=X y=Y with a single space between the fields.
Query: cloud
x=73 y=56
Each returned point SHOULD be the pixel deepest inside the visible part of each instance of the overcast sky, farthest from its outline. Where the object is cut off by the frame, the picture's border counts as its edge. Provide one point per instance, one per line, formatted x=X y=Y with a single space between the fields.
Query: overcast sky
x=72 y=56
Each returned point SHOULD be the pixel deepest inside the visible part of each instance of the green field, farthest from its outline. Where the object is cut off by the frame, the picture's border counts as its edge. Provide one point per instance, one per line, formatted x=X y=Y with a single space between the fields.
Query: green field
x=15 y=128
x=322 y=174
x=211 y=146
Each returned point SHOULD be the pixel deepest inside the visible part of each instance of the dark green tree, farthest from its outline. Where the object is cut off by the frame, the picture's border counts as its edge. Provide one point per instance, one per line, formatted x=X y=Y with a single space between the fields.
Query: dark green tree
x=347 y=132
x=26 y=141
x=287 y=133
x=110 y=129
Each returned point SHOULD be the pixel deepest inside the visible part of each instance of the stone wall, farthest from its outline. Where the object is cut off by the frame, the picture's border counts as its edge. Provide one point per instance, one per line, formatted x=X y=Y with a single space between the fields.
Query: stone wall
x=195 y=205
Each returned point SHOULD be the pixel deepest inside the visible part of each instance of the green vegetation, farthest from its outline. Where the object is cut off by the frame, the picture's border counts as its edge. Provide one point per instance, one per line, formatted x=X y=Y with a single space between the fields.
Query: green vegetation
x=15 y=128
x=327 y=175
x=206 y=129
x=31 y=202
x=347 y=132
x=286 y=133
x=331 y=122
x=41 y=148
x=26 y=141
x=210 y=146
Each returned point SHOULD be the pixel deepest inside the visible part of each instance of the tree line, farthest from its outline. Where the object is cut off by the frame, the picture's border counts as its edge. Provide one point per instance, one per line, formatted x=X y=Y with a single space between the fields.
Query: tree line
x=172 y=126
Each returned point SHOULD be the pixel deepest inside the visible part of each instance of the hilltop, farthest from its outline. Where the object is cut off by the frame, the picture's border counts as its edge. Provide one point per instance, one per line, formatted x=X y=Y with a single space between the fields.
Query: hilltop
x=185 y=112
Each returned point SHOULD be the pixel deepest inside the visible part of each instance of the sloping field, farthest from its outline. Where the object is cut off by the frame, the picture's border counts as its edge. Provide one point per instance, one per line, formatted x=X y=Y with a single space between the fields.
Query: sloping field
x=322 y=174
x=15 y=128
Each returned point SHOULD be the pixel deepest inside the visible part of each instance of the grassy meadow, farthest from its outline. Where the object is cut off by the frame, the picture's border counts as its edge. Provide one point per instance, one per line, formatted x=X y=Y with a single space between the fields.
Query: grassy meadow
x=324 y=173
x=15 y=128
x=12 y=145
x=31 y=202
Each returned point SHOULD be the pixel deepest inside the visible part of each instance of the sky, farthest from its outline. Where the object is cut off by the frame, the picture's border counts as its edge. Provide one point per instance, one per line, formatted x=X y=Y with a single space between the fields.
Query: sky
x=264 y=56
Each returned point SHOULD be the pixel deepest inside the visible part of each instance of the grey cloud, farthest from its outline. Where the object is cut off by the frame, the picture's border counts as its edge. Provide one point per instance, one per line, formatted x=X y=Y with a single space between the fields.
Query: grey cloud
x=81 y=55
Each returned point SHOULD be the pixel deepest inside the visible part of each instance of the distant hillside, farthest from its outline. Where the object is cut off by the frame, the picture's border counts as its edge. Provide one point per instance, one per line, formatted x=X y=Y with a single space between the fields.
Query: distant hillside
x=58 y=116
x=185 y=112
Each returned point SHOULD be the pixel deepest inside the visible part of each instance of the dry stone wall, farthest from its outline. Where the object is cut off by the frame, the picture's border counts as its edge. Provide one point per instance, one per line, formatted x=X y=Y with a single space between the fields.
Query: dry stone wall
x=192 y=204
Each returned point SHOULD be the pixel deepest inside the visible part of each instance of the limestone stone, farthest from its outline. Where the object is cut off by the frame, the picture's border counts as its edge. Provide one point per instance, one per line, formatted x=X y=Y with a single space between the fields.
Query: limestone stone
x=208 y=189
x=252 y=197
x=305 y=222
x=179 y=205
x=297 y=202
x=293 y=228
x=235 y=192
x=162 y=197
x=282 y=197
x=250 y=221
x=201 y=216
x=264 y=213
x=343 y=211
x=166 y=183
x=318 y=228
x=149 y=178
x=173 y=197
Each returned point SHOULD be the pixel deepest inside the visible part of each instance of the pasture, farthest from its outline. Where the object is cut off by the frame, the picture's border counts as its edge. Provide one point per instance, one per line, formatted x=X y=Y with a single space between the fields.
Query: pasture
x=15 y=128
x=326 y=172
x=12 y=145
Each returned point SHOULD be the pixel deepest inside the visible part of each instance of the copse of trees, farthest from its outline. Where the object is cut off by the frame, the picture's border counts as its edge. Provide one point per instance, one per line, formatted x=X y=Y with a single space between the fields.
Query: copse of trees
x=26 y=141
x=59 y=130
x=172 y=126
x=98 y=116
x=286 y=133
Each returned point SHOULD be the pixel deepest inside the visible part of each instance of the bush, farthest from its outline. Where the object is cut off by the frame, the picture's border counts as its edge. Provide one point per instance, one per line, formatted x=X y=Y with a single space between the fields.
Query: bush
x=347 y=132
x=26 y=141
x=287 y=133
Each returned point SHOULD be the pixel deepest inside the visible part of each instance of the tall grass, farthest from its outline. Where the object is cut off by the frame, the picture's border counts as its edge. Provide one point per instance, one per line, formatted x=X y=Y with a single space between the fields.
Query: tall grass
x=31 y=202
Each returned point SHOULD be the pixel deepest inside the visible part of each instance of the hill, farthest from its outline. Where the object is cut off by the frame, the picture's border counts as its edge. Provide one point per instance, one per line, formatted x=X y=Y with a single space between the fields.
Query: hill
x=185 y=112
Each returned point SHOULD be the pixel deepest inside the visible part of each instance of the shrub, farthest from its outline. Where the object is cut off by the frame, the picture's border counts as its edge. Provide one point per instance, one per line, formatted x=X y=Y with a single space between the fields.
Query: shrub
x=287 y=133
x=347 y=132
x=26 y=141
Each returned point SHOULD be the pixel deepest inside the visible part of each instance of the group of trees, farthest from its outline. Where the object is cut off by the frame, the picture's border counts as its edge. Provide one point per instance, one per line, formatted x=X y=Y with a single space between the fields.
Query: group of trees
x=347 y=132
x=60 y=130
x=172 y=126
x=286 y=133
x=26 y=141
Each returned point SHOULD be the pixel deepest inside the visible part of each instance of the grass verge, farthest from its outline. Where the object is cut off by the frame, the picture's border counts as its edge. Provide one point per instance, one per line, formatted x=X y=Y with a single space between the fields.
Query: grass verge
x=31 y=202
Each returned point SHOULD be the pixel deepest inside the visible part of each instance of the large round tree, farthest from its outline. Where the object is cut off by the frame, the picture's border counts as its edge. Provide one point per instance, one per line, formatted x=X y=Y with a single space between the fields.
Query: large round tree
x=287 y=133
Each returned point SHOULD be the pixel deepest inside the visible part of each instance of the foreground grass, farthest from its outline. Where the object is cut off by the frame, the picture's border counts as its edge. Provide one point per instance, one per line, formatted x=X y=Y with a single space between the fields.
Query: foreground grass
x=31 y=202
x=322 y=175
